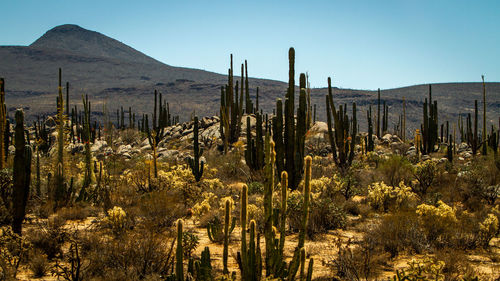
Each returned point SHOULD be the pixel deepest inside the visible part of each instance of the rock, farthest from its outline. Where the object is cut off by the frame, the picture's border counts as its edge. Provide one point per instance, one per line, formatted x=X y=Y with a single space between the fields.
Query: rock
x=467 y=155
x=98 y=145
x=253 y=121
x=124 y=149
x=387 y=138
x=442 y=160
x=395 y=138
x=211 y=132
x=126 y=155
x=425 y=157
x=461 y=159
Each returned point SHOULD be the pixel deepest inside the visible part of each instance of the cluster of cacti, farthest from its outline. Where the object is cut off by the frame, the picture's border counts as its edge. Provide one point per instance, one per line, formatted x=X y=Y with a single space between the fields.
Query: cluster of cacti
x=472 y=134
x=3 y=123
x=231 y=109
x=429 y=127
x=216 y=231
x=158 y=132
x=194 y=162
x=493 y=139
x=254 y=151
x=60 y=190
x=22 y=174
x=341 y=141
x=87 y=179
x=201 y=270
x=290 y=138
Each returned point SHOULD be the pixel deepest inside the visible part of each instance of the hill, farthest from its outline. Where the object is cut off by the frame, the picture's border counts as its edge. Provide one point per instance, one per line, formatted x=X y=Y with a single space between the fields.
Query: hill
x=113 y=73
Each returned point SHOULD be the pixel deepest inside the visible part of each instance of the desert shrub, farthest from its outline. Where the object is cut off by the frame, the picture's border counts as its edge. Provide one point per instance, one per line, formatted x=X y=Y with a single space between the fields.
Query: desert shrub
x=133 y=256
x=190 y=242
x=455 y=264
x=383 y=197
x=5 y=196
x=360 y=262
x=255 y=187
x=130 y=136
x=488 y=229
x=395 y=169
x=425 y=173
x=324 y=214
x=477 y=184
x=76 y=212
x=398 y=232
x=160 y=209
x=49 y=237
x=352 y=207
x=425 y=268
x=202 y=208
x=438 y=222
x=13 y=250
x=230 y=168
x=116 y=220
x=38 y=264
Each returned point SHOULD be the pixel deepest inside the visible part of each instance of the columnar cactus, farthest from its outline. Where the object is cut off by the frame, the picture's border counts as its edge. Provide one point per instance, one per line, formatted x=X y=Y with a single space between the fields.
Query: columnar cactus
x=243 y=223
x=22 y=174
x=340 y=140
x=278 y=137
x=194 y=162
x=378 y=113
x=254 y=151
x=429 y=128
x=87 y=179
x=268 y=201
x=179 y=253
x=231 y=111
x=227 y=232
x=369 y=141
x=60 y=190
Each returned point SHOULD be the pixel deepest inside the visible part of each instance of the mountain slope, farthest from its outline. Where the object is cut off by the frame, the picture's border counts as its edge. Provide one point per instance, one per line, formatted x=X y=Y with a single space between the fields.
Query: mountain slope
x=113 y=73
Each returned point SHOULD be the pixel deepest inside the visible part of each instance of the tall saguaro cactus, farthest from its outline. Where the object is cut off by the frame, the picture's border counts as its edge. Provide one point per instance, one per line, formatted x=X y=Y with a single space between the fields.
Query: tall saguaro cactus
x=87 y=179
x=60 y=188
x=22 y=174
x=341 y=141
x=179 y=253
x=194 y=162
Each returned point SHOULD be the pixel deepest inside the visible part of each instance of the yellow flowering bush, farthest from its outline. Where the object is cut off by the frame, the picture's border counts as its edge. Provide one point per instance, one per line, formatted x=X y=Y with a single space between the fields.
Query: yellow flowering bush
x=488 y=228
x=425 y=268
x=116 y=219
x=318 y=185
x=201 y=208
x=382 y=196
x=213 y=184
x=437 y=220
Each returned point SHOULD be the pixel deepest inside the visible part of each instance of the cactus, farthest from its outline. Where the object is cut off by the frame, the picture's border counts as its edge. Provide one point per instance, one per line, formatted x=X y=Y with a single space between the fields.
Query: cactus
x=227 y=231
x=87 y=180
x=340 y=140
x=254 y=150
x=216 y=231
x=60 y=189
x=369 y=142
x=278 y=137
x=243 y=223
x=403 y=130
x=248 y=101
x=293 y=136
x=429 y=128
x=472 y=135
x=3 y=124
x=251 y=269
x=449 y=150
x=378 y=113
x=195 y=163
x=202 y=269
x=493 y=140
x=179 y=254
x=22 y=174
x=268 y=200
x=231 y=111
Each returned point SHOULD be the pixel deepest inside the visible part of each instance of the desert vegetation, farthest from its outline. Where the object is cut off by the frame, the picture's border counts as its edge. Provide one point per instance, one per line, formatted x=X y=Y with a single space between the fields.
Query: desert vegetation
x=248 y=194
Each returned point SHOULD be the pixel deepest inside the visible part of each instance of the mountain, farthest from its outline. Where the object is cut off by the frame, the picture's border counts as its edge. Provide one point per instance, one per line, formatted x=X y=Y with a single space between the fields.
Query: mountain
x=113 y=73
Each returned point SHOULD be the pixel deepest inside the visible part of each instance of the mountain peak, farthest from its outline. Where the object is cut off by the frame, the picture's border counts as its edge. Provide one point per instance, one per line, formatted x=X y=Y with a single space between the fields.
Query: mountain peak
x=75 y=39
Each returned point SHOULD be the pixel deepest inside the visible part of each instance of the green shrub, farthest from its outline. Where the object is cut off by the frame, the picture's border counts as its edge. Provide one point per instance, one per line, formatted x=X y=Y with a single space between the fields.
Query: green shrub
x=395 y=169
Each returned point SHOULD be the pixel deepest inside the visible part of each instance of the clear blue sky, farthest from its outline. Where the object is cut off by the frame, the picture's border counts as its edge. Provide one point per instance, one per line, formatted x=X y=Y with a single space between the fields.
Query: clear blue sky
x=361 y=44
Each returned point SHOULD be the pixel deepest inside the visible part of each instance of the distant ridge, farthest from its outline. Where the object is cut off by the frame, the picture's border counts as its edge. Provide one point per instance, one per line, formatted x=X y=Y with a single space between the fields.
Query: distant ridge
x=73 y=38
x=111 y=72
